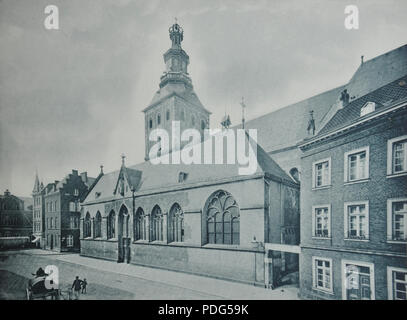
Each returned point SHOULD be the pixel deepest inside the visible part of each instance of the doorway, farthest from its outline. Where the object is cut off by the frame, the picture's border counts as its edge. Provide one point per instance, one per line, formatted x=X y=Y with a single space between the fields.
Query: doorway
x=123 y=236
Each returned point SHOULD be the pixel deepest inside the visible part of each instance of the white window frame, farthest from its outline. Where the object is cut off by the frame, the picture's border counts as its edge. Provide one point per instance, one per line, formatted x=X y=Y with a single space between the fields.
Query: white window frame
x=390 y=220
x=314 y=276
x=314 y=208
x=69 y=241
x=390 y=144
x=346 y=175
x=361 y=264
x=346 y=219
x=390 y=283
x=314 y=164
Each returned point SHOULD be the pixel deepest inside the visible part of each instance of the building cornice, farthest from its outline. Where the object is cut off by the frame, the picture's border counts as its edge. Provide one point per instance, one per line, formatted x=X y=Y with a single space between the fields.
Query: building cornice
x=394 y=108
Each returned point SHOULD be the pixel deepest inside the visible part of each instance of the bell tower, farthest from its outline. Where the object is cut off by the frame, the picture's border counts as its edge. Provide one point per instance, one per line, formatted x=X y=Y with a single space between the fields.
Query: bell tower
x=175 y=99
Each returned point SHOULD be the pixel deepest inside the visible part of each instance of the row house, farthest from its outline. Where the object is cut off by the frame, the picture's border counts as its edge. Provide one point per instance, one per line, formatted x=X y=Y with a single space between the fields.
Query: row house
x=354 y=200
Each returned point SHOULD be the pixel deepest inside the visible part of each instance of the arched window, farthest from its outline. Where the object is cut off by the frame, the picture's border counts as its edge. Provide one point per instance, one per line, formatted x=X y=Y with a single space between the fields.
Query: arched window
x=150 y=123
x=157 y=224
x=98 y=225
x=222 y=219
x=111 y=225
x=123 y=228
x=86 y=226
x=182 y=115
x=193 y=120
x=203 y=124
x=168 y=115
x=158 y=119
x=140 y=231
x=176 y=224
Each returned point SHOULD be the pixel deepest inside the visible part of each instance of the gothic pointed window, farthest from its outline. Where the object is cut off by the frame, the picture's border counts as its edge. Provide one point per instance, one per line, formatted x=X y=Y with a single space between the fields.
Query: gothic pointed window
x=98 y=225
x=150 y=123
x=111 y=225
x=182 y=115
x=158 y=119
x=222 y=219
x=140 y=225
x=87 y=226
x=168 y=115
x=157 y=231
x=176 y=224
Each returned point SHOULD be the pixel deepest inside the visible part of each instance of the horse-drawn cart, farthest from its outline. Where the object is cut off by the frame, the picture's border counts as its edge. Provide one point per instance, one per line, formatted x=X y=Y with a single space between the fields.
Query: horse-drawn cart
x=37 y=289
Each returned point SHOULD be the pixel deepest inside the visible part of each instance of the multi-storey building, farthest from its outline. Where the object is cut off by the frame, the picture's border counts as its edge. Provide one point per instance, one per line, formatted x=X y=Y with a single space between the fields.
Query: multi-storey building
x=56 y=211
x=354 y=200
x=15 y=216
x=38 y=213
x=198 y=218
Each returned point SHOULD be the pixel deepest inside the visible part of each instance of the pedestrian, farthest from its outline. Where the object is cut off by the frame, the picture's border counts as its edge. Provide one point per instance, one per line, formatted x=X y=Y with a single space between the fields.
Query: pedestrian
x=76 y=286
x=84 y=284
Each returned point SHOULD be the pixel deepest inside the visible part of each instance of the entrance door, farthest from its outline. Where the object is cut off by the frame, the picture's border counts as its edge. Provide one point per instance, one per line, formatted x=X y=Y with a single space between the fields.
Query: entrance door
x=123 y=236
x=358 y=282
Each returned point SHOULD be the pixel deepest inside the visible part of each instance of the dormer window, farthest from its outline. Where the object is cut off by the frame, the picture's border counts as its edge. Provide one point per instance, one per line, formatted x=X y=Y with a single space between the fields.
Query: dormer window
x=182 y=176
x=367 y=108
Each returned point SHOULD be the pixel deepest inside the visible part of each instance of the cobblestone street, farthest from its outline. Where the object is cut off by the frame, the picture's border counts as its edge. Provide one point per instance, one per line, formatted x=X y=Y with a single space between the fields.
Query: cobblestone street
x=109 y=280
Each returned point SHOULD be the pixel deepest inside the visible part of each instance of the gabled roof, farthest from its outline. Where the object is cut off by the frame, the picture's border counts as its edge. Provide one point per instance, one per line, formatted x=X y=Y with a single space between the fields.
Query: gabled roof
x=382 y=97
x=132 y=177
x=377 y=72
x=287 y=126
x=148 y=177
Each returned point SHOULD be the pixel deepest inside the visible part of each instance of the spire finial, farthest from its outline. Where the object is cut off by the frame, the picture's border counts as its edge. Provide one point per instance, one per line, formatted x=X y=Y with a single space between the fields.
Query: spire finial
x=123 y=157
x=101 y=168
x=243 y=107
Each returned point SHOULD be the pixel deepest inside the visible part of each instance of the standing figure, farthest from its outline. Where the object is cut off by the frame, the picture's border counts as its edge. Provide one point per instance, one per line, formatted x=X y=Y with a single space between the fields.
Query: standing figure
x=76 y=286
x=84 y=284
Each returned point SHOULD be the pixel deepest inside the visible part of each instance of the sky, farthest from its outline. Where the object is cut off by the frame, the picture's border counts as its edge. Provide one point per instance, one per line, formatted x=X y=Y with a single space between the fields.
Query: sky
x=73 y=98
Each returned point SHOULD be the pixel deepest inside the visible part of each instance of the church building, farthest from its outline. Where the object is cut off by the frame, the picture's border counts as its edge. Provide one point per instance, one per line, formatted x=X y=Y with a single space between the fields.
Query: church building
x=204 y=219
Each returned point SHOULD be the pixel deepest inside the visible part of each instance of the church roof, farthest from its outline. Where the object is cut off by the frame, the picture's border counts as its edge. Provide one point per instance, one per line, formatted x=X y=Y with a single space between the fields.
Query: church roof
x=287 y=126
x=151 y=178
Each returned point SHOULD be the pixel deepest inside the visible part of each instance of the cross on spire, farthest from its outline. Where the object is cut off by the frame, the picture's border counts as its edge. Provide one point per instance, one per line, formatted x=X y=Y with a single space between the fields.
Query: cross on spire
x=243 y=107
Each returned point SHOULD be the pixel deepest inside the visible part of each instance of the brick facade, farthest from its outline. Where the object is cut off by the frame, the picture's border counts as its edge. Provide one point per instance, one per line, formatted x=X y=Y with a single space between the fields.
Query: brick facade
x=376 y=190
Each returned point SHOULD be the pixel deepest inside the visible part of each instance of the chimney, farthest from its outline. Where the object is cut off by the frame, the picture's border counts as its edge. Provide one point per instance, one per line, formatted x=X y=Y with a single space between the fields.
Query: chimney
x=84 y=176
x=344 y=98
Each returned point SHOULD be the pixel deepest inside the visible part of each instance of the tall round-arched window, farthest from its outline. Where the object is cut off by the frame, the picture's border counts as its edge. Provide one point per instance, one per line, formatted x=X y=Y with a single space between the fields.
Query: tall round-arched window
x=98 y=225
x=111 y=225
x=140 y=225
x=158 y=119
x=182 y=115
x=150 y=123
x=222 y=219
x=203 y=124
x=156 y=231
x=176 y=224
x=193 y=120
x=87 y=226
x=167 y=116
